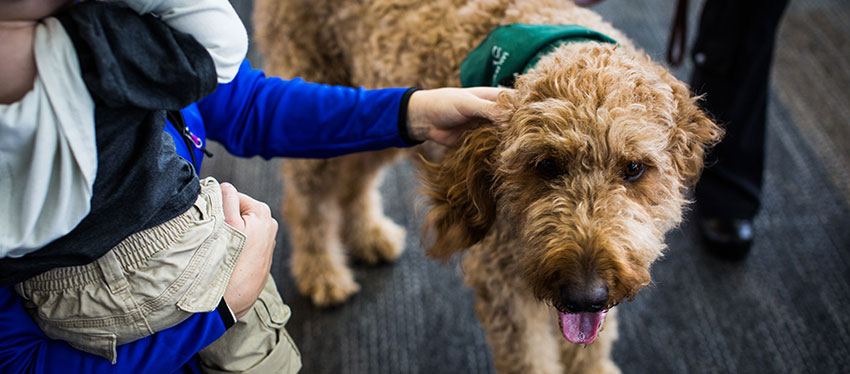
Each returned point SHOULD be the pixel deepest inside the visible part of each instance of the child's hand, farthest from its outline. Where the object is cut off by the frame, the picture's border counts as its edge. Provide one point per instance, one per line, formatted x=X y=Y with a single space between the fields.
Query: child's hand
x=254 y=219
x=442 y=115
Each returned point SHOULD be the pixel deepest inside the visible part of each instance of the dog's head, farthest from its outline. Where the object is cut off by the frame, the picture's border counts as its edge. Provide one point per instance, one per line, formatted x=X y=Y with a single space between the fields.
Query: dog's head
x=589 y=165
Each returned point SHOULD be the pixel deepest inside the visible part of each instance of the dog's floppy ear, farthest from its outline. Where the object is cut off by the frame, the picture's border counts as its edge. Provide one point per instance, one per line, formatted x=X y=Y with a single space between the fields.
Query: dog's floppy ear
x=693 y=135
x=462 y=207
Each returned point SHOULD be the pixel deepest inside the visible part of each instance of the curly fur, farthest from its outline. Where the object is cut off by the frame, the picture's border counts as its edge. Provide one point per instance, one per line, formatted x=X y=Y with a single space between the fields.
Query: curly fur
x=586 y=111
x=592 y=109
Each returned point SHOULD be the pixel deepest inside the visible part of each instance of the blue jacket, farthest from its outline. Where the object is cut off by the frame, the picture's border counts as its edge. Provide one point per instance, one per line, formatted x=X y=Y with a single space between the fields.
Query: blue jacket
x=252 y=115
x=270 y=117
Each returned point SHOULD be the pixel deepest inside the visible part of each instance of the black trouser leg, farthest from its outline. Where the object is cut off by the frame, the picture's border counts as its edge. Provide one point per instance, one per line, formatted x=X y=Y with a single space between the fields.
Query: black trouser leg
x=732 y=57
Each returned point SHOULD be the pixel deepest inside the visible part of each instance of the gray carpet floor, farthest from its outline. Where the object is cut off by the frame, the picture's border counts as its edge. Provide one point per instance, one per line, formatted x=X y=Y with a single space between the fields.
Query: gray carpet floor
x=782 y=310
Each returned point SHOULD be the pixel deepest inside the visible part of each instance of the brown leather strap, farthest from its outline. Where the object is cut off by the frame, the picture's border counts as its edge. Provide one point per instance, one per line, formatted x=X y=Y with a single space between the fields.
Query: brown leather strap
x=678 y=34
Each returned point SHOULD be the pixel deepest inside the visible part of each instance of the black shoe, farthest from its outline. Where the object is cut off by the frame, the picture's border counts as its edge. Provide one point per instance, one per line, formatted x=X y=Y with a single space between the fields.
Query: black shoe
x=729 y=239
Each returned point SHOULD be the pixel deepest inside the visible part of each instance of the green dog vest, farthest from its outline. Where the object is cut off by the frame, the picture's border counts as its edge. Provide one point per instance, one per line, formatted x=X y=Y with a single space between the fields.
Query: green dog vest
x=513 y=49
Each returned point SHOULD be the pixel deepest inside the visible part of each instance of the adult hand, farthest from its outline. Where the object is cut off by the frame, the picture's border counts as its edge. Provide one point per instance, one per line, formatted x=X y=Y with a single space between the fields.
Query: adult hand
x=254 y=219
x=442 y=115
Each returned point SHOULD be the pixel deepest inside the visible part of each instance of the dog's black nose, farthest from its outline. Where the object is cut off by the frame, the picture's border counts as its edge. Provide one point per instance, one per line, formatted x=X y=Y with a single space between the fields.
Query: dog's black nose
x=590 y=294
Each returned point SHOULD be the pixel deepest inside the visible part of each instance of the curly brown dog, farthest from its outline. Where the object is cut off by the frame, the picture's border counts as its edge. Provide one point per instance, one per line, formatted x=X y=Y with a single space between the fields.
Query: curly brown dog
x=561 y=206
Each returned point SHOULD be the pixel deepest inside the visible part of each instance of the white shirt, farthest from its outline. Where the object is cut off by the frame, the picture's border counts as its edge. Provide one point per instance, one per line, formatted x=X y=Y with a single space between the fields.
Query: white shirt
x=48 y=156
x=213 y=23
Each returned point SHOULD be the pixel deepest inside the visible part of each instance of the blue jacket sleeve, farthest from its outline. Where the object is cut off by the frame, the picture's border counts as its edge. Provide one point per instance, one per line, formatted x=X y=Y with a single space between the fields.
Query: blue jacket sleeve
x=271 y=117
x=25 y=349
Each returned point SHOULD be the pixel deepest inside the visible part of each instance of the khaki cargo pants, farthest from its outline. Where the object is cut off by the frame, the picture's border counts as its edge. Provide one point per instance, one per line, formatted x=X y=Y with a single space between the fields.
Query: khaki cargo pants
x=257 y=343
x=154 y=280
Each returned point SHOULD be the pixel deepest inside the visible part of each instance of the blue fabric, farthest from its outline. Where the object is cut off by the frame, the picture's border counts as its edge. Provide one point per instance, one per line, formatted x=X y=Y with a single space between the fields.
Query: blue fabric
x=195 y=123
x=25 y=349
x=270 y=117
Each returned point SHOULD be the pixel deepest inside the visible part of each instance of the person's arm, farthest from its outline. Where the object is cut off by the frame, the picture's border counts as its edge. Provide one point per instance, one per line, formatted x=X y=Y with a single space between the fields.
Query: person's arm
x=271 y=117
x=25 y=349
x=128 y=60
x=226 y=42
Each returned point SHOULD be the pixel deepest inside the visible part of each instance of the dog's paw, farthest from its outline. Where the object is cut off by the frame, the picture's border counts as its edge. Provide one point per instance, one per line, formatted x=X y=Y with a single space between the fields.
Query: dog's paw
x=329 y=287
x=381 y=241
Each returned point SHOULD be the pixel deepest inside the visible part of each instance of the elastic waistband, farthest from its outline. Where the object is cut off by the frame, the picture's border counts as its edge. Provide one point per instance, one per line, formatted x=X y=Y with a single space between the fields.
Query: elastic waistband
x=136 y=249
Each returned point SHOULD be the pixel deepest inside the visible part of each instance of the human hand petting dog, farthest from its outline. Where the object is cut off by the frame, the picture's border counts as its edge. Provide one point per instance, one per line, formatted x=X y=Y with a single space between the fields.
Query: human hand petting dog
x=254 y=219
x=442 y=115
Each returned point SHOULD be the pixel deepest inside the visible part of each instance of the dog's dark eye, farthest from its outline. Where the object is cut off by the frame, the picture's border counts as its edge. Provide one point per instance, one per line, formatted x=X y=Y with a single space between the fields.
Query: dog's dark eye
x=633 y=171
x=549 y=169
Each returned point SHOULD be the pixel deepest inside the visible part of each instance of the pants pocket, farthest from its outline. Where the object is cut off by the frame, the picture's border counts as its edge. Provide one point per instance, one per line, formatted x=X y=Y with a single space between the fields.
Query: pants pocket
x=258 y=343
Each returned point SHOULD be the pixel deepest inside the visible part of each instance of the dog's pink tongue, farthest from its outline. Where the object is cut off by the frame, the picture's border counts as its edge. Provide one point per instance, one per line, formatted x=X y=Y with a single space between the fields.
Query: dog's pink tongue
x=581 y=328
